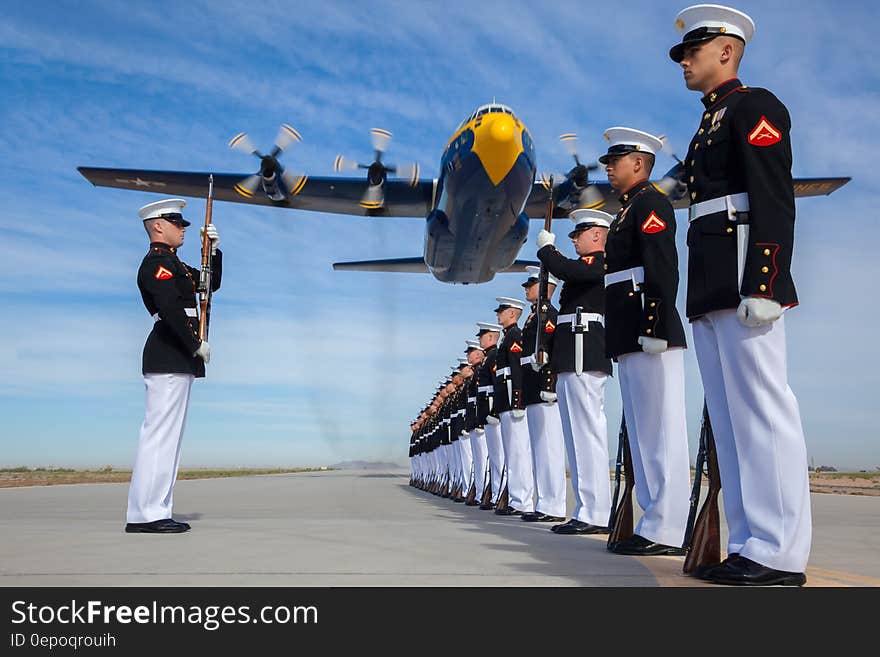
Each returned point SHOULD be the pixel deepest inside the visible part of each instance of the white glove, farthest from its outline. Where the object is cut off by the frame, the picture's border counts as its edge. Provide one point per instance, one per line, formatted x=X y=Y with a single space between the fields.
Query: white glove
x=535 y=364
x=480 y=431
x=754 y=311
x=204 y=352
x=517 y=413
x=545 y=238
x=653 y=345
x=548 y=396
x=491 y=419
x=463 y=432
x=213 y=235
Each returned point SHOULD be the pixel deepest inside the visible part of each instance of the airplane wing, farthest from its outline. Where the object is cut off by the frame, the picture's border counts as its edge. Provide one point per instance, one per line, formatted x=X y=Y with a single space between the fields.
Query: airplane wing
x=416 y=266
x=327 y=194
x=536 y=206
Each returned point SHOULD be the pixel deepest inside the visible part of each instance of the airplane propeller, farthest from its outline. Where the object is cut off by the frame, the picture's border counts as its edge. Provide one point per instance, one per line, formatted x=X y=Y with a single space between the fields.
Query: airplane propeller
x=672 y=184
x=377 y=171
x=270 y=169
x=575 y=187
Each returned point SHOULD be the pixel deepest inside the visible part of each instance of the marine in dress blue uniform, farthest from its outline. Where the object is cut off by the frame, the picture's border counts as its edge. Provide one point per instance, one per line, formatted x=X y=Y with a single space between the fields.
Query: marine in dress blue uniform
x=173 y=357
x=740 y=244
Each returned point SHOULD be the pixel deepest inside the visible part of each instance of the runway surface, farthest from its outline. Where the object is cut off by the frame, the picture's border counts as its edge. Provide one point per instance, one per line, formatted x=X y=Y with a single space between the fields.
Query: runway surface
x=353 y=528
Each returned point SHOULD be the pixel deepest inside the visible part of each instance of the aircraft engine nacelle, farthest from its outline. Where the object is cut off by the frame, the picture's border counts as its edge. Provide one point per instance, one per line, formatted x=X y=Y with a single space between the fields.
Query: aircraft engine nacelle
x=505 y=252
x=269 y=181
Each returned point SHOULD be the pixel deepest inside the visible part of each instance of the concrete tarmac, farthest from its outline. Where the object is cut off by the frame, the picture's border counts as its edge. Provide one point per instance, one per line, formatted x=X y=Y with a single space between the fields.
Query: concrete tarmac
x=353 y=528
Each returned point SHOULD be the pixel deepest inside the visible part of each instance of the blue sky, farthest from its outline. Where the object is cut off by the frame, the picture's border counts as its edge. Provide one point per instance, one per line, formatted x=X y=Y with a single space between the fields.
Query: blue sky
x=312 y=366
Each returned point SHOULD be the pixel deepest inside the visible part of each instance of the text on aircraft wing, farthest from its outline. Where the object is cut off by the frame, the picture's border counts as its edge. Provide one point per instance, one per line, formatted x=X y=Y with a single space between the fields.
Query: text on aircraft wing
x=318 y=194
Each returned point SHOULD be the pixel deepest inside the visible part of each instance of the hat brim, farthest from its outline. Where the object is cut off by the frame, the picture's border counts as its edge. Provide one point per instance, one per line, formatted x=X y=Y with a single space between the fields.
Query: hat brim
x=530 y=282
x=603 y=159
x=676 y=53
x=582 y=227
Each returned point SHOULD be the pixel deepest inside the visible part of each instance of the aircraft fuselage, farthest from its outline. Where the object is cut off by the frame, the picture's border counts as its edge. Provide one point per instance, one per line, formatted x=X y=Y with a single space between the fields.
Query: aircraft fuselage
x=477 y=226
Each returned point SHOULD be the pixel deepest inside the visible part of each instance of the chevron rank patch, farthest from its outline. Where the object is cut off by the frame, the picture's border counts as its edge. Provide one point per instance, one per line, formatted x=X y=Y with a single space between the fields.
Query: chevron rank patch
x=653 y=224
x=163 y=274
x=515 y=348
x=764 y=133
x=549 y=327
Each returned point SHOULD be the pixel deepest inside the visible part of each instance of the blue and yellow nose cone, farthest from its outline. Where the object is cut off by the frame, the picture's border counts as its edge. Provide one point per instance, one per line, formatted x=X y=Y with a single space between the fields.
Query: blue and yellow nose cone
x=498 y=142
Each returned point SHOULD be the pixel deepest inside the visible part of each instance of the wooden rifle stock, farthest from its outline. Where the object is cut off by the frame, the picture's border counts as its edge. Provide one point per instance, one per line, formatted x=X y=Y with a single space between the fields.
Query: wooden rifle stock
x=205 y=270
x=471 y=496
x=623 y=517
x=503 y=497
x=486 y=498
x=705 y=542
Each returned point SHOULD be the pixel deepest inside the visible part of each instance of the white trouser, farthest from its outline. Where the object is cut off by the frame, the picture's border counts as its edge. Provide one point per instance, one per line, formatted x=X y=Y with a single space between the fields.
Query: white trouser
x=652 y=388
x=446 y=465
x=548 y=455
x=518 y=451
x=151 y=492
x=480 y=461
x=582 y=411
x=455 y=463
x=496 y=458
x=467 y=463
x=762 y=455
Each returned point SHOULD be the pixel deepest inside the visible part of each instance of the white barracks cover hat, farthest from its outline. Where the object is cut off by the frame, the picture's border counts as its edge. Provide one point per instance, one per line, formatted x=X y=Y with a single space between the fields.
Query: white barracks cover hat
x=585 y=218
x=629 y=140
x=170 y=207
x=705 y=22
x=509 y=302
x=535 y=273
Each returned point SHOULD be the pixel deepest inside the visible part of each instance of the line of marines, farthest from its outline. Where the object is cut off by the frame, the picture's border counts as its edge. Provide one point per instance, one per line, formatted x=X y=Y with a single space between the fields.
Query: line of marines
x=526 y=399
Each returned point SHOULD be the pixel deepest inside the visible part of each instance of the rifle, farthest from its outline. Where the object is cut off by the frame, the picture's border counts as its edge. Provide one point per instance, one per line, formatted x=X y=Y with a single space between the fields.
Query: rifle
x=543 y=300
x=623 y=515
x=704 y=544
x=618 y=466
x=503 y=497
x=205 y=270
x=695 y=489
x=486 y=498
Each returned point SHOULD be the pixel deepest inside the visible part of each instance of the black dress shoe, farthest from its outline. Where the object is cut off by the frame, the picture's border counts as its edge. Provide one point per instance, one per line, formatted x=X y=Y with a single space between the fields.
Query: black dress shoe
x=164 y=526
x=578 y=527
x=704 y=572
x=471 y=503
x=458 y=499
x=537 y=516
x=487 y=507
x=740 y=571
x=508 y=511
x=642 y=547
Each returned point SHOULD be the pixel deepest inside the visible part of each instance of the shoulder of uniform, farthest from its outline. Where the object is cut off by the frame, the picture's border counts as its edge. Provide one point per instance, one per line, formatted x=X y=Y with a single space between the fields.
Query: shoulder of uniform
x=758 y=96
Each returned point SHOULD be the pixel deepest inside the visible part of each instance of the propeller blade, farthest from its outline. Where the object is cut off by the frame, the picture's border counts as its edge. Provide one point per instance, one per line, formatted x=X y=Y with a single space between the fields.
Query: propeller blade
x=380 y=139
x=570 y=141
x=247 y=186
x=287 y=135
x=374 y=198
x=294 y=182
x=241 y=143
x=591 y=197
x=667 y=146
x=344 y=164
x=408 y=172
x=545 y=178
